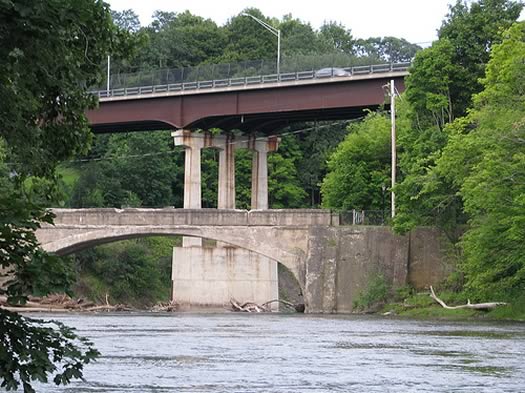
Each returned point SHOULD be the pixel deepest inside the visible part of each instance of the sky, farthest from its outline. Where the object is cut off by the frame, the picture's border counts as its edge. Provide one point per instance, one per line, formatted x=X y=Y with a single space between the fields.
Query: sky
x=414 y=20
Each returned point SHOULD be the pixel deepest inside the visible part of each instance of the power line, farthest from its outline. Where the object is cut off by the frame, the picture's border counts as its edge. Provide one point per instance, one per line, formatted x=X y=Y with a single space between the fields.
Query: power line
x=142 y=155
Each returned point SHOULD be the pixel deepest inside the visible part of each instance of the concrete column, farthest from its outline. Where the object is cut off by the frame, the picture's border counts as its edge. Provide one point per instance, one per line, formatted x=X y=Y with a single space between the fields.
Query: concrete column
x=192 y=166
x=226 y=145
x=260 y=179
x=193 y=144
x=261 y=147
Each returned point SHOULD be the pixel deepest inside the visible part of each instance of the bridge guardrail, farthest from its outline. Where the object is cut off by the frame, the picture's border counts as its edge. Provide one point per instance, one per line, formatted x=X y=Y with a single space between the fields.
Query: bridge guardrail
x=247 y=80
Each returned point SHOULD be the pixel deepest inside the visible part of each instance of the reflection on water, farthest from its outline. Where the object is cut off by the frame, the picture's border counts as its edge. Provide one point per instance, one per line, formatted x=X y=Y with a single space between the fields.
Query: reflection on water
x=296 y=353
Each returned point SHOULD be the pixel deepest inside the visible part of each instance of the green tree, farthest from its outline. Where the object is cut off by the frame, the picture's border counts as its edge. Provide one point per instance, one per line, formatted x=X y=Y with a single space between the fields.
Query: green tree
x=50 y=53
x=439 y=89
x=297 y=38
x=381 y=49
x=137 y=169
x=284 y=188
x=247 y=40
x=210 y=177
x=337 y=37
x=485 y=159
x=359 y=167
x=316 y=145
x=136 y=272
x=472 y=29
x=181 y=40
x=126 y=20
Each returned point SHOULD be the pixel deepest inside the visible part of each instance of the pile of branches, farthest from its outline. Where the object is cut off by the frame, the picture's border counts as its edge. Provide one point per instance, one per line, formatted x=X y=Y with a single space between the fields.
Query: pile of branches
x=265 y=307
x=165 y=307
x=60 y=303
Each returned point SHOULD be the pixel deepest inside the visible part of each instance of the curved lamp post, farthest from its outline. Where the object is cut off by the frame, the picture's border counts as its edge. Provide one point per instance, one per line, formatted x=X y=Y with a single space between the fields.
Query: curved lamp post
x=275 y=32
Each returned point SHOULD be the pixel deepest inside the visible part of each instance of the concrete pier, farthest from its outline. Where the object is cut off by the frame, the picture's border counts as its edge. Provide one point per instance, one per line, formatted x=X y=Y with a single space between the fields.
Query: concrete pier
x=193 y=144
x=250 y=276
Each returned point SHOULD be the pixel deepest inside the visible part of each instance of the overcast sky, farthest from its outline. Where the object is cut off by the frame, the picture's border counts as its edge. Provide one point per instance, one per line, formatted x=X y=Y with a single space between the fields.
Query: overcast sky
x=414 y=20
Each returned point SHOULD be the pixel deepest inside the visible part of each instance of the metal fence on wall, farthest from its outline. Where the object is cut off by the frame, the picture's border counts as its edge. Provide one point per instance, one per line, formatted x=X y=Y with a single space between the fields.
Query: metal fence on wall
x=230 y=71
x=364 y=217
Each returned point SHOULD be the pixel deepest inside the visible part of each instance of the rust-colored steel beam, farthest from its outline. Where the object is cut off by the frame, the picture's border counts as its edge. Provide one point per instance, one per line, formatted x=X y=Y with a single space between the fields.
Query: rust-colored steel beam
x=265 y=109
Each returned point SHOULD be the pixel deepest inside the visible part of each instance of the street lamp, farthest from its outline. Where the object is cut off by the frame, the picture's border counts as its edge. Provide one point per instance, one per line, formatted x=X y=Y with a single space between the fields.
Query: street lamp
x=275 y=32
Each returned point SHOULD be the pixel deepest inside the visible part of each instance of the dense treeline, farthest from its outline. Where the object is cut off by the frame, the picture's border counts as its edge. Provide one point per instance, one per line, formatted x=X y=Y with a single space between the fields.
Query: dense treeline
x=182 y=39
x=460 y=126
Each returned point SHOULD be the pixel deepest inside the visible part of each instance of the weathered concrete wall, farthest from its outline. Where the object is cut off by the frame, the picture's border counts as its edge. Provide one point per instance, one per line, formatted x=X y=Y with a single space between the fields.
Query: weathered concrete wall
x=212 y=276
x=342 y=261
x=430 y=257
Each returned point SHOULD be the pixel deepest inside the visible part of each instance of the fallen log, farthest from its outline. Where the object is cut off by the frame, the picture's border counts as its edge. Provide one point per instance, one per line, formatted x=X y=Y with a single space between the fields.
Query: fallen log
x=246 y=307
x=288 y=304
x=296 y=307
x=108 y=308
x=265 y=307
x=475 y=306
x=165 y=307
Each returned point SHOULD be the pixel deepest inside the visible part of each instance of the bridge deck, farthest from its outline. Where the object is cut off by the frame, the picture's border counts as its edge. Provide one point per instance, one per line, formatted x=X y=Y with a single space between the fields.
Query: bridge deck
x=254 y=105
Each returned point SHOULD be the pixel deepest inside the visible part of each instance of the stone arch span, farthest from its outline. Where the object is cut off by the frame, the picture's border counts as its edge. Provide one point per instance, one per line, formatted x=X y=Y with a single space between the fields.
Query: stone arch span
x=283 y=244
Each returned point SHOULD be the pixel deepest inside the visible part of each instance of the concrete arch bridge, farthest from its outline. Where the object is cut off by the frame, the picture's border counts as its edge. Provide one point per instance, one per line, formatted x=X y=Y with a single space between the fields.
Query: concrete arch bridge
x=332 y=263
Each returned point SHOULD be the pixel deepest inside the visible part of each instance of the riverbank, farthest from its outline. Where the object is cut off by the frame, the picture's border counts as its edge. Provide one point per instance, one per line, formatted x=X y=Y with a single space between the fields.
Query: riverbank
x=422 y=306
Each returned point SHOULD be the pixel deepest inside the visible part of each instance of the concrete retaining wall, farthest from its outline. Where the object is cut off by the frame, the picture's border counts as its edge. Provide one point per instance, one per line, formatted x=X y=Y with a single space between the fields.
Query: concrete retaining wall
x=342 y=261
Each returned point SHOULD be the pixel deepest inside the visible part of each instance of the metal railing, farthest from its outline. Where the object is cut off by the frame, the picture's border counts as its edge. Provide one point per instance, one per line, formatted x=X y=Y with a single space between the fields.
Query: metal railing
x=237 y=75
x=364 y=217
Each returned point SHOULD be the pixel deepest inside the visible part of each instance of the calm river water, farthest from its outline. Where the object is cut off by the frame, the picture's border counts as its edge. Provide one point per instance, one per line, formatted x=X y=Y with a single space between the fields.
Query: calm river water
x=297 y=353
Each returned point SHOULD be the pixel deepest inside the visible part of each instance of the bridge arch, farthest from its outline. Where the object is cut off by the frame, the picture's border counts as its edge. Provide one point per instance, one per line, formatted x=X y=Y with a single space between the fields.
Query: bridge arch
x=62 y=241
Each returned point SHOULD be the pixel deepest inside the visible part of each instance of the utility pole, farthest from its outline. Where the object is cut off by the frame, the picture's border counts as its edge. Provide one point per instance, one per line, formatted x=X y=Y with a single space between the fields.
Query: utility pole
x=393 y=137
x=109 y=68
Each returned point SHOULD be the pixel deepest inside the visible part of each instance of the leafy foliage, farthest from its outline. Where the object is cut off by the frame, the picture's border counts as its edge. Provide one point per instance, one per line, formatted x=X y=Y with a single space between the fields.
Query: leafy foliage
x=374 y=295
x=359 y=168
x=472 y=29
x=439 y=89
x=485 y=159
x=50 y=53
x=136 y=272
x=389 y=49
x=31 y=350
x=137 y=169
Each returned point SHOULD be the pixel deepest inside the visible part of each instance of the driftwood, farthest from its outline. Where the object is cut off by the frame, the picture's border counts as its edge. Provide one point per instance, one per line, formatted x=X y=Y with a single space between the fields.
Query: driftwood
x=297 y=307
x=165 y=307
x=475 y=306
x=60 y=303
x=265 y=307
x=247 y=307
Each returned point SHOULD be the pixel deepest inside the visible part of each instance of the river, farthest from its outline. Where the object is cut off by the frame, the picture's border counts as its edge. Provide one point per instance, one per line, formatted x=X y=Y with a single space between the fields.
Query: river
x=248 y=353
